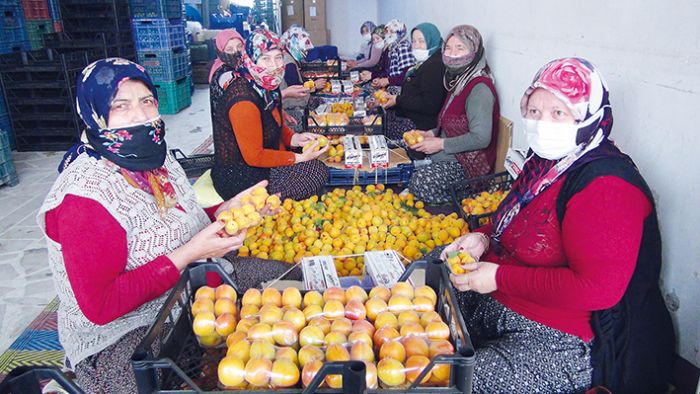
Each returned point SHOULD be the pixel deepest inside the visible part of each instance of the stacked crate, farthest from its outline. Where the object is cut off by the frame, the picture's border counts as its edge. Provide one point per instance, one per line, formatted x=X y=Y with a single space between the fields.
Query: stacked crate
x=159 y=33
x=37 y=21
x=13 y=37
x=39 y=88
x=55 y=13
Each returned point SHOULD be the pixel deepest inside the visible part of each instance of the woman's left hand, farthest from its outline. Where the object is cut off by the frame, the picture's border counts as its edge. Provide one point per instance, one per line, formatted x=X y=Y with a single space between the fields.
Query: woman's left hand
x=320 y=83
x=235 y=202
x=430 y=145
x=390 y=101
x=482 y=278
x=380 y=82
x=301 y=139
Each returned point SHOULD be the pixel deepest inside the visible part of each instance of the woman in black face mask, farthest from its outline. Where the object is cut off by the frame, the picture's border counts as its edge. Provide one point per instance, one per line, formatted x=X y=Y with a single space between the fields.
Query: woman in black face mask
x=121 y=223
x=229 y=45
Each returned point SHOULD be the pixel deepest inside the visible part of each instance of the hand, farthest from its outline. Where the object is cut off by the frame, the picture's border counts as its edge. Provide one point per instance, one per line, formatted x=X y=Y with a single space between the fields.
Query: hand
x=320 y=83
x=365 y=76
x=311 y=153
x=268 y=211
x=289 y=119
x=208 y=243
x=352 y=63
x=235 y=201
x=296 y=91
x=481 y=279
x=301 y=139
x=474 y=244
x=425 y=133
x=380 y=82
x=391 y=101
x=430 y=145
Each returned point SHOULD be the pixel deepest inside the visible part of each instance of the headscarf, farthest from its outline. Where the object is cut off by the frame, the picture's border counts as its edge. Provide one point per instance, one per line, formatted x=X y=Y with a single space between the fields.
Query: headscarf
x=232 y=61
x=475 y=64
x=369 y=25
x=578 y=84
x=297 y=41
x=399 y=29
x=137 y=152
x=433 y=41
x=380 y=30
x=266 y=83
x=400 y=51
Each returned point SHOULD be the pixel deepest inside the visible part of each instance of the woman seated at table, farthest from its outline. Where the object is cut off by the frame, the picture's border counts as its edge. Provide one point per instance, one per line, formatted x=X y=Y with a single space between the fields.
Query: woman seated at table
x=397 y=60
x=252 y=141
x=378 y=56
x=121 y=223
x=366 y=46
x=570 y=268
x=229 y=45
x=423 y=93
x=464 y=143
x=296 y=42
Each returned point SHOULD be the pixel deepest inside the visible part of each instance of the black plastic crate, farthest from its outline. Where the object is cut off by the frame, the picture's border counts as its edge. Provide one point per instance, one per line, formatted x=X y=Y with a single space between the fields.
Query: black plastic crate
x=355 y=127
x=399 y=175
x=27 y=380
x=331 y=68
x=182 y=365
x=470 y=188
x=194 y=165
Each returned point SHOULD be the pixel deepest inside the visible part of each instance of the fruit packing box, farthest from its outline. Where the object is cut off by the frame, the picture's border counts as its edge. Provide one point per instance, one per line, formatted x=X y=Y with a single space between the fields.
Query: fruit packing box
x=328 y=69
x=181 y=364
x=341 y=123
x=484 y=193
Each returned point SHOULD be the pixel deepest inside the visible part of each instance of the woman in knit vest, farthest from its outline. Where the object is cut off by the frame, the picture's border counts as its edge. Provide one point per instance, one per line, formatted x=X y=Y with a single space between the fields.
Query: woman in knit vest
x=464 y=142
x=251 y=141
x=121 y=223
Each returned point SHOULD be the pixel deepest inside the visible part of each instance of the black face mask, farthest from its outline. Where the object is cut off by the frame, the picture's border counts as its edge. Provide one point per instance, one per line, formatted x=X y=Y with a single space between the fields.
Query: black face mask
x=135 y=148
x=230 y=59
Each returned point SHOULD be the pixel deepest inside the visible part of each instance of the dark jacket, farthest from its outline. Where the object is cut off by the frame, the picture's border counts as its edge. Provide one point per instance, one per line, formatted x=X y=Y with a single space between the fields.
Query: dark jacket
x=423 y=94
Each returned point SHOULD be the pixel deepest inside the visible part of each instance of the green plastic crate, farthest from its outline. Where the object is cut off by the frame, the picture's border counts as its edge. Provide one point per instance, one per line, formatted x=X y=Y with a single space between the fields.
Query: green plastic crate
x=174 y=96
x=36 y=30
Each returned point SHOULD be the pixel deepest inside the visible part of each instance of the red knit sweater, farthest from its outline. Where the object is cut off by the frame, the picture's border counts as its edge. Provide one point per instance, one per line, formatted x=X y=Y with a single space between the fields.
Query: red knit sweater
x=557 y=274
x=102 y=287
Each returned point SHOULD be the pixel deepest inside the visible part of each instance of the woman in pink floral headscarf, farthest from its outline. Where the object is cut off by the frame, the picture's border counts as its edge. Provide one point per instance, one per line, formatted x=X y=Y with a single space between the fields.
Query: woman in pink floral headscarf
x=569 y=269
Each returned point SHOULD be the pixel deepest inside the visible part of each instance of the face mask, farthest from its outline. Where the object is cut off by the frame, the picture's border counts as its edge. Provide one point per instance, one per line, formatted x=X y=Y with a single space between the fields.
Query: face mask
x=390 y=39
x=231 y=59
x=380 y=44
x=549 y=140
x=268 y=79
x=136 y=148
x=421 y=55
x=367 y=37
x=456 y=62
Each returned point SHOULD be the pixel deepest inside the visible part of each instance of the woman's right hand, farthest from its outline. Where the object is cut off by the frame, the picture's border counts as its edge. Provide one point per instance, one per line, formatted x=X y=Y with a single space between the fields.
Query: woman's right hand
x=366 y=76
x=296 y=91
x=311 y=153
x=474 y=244
x=208 y=243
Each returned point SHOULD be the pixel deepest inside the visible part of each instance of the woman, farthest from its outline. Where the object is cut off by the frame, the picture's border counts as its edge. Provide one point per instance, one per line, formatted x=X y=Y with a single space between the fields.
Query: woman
x=121 y=223
x=366 y=47
x=423 y=93
x=570 y=268
x=464 y=143
x=229 y=45
x=399 y=58
x=295 y=96
x=251 y=140
x=376 y=58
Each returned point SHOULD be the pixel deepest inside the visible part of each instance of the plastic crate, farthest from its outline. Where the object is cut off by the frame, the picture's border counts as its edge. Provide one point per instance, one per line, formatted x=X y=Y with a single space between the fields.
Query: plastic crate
x=36 y=9
x=6 y=127
x=472 y=187
x=194 y=165
x=11 y=15
x=54 y=10
x=5 y=143
x=36 y=30
x=159 y=34
x=399 y=175
x=174 y=96
x=165 y=66
x=329 y=69
x=181 y=365
x=29 y=379
x=200 y=53
x=378 y=126
x=156 y=8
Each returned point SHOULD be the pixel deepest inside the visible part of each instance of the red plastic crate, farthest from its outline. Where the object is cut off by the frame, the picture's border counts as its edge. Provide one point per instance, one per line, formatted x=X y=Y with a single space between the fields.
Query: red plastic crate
x=36 y=9
x=58 y=26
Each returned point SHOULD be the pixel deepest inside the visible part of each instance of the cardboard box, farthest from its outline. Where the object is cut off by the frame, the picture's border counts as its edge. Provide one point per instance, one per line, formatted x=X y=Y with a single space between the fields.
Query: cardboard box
x=320 y=37
x=378 y=152
x=384 y=267
x=292 y=13
x=353 y=152
x=505 y=134
x=319 y=273
x=315 y=15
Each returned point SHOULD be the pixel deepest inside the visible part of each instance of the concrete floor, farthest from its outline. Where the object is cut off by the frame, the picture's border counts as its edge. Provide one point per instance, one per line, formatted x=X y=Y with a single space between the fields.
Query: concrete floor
x=26 y=286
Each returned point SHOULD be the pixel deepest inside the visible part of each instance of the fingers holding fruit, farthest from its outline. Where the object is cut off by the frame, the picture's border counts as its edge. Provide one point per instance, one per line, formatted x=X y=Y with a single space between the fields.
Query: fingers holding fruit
x=481 y=278
x=413 y=137
x=311 y=85
x=390 y=101
x=319 y=84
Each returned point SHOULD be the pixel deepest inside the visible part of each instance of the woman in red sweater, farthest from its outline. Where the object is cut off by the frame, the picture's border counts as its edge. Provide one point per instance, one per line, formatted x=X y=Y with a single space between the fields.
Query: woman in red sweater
x=565 y=244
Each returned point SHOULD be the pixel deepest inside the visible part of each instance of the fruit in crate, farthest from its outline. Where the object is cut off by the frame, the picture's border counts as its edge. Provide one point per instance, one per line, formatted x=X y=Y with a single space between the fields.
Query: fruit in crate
x=337 y=119
x=372 y=120
x=310 y=85
x=343 y=107
x=317 y=120
x=214 y=314
x=455 y=260
x=412 y=137
x=336 y=153
x=484 y=202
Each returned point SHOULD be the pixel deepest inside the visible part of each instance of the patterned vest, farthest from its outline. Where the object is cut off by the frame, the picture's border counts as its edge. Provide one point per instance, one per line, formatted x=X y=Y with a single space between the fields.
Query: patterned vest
x=148 y=236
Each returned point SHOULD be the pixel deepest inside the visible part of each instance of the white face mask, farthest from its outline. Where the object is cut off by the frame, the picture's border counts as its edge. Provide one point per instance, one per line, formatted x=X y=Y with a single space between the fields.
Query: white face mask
x=367 y=37
x=390 y=39
x=379 y=45
x=549 y=140
x=421 y=55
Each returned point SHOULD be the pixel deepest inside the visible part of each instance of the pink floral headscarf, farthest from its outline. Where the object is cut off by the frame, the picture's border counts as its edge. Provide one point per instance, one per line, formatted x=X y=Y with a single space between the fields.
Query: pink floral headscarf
x=260 y=42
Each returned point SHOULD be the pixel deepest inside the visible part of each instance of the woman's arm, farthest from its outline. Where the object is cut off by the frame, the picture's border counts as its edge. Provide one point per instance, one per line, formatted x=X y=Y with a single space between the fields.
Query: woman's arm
x=479 y=108
x=601 y=233
x=247 y=126
x=374 y=56
x=102 y=287
x=431 y=92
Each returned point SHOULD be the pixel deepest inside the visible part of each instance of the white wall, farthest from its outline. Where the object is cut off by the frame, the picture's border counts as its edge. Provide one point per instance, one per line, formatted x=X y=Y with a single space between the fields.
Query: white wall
x=649 y=52
x=344 y=19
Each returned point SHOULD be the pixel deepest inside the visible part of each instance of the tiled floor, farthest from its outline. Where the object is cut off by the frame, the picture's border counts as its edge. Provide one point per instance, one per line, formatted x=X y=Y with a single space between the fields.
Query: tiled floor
x=25 y=279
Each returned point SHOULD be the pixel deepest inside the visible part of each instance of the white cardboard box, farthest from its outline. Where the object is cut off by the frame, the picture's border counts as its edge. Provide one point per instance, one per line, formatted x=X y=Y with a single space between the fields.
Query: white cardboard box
x=353 y=152
x=384 y=267
x=347 y=86
x=378 y=151
x=319 y=273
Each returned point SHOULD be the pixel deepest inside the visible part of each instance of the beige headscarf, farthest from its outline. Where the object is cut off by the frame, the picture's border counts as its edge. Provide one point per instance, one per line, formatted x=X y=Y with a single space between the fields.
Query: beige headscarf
x=456 y=79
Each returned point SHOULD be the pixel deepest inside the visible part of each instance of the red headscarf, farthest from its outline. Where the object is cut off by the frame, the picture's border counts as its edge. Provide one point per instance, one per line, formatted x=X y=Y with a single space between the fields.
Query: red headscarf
x=222 y=39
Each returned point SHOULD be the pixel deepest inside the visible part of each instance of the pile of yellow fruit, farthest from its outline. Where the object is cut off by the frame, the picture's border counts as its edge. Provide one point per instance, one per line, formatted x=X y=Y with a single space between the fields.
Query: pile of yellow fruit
x=322 y=142
x=248 y=214
x=346 y=222
x=284 y=338
x=455 y=260
x=483 y=203
x=336 y=153
x=412 y=137
x=343 y=107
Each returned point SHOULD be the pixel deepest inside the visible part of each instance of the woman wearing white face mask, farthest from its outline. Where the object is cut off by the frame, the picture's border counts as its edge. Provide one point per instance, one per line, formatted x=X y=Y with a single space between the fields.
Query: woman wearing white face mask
x=366 y=46
x=570 y=267
x=423 y=92
x=398 y=58
x=376 y=55
x=464 y=142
